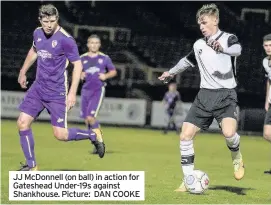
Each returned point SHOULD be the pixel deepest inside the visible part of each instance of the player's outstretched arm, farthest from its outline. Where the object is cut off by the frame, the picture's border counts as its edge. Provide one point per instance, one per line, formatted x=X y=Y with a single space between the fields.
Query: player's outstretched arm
x=30 y=59
x=181 y=66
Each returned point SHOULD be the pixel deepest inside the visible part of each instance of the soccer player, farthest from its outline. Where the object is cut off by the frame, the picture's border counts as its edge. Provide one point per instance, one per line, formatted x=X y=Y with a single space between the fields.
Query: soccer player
x=170 y=100
x=214 y=55
x=53 y=48
x=267 y=67
x=94 y=75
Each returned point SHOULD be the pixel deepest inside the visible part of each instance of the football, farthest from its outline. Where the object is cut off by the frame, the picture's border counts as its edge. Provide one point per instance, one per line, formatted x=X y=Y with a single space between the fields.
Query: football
x=197 y=182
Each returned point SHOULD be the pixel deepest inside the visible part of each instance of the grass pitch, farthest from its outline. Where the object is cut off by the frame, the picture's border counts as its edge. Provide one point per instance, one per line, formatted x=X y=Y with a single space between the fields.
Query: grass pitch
x=157 y=154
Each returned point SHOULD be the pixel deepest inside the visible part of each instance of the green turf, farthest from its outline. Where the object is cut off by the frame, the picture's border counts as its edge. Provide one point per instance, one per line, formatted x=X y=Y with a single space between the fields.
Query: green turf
x=158 y=155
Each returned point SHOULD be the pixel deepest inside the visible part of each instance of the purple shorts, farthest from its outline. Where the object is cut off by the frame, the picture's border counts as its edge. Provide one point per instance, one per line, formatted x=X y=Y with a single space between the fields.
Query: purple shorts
x=91 y=102
x=35 y=102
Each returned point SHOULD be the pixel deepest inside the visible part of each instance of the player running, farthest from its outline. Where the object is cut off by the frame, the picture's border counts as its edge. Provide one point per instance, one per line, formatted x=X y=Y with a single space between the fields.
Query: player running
x=214 y=55
x=94 y=75
x=267 y=67
x=170 y=101
x=53 y=48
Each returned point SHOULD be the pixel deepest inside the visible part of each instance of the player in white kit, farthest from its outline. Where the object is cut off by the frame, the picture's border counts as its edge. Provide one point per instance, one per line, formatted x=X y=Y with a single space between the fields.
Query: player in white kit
x=215 y=55
x=267 y=67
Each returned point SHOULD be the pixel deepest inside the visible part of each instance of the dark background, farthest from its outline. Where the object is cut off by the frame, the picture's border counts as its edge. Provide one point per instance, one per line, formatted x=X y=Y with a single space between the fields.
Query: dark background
x=161 y=33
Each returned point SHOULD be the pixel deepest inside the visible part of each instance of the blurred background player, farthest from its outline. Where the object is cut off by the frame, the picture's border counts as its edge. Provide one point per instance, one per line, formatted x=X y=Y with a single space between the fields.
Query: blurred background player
x=267 y=67
x=97 y=68
x=52 y=46
x=172 y=96
x=217 y=97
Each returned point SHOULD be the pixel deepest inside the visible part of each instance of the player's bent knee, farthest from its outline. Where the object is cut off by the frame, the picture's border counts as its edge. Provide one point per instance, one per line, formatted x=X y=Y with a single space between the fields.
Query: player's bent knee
x=60 y=134
x=23 y=124
x=228 y=126
x=185 y=136
x=229 y=133
x=188 y=131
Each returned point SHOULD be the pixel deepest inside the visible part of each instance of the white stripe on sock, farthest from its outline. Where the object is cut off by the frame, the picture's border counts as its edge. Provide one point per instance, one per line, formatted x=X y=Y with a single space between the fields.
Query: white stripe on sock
x=28 y=145
x=80 y=133
x=100 y=102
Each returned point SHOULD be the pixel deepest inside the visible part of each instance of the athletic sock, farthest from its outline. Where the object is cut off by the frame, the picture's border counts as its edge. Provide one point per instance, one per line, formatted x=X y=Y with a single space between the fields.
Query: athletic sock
x=96 y=125
x=76 y=134
x=187 y=156
x=233 y=144
x=27 y=144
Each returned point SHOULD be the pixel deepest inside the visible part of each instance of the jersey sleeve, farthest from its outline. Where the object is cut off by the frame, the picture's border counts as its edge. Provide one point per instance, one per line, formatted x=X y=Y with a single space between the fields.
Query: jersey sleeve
x=70 y=49
x=109 y=64
x=232 y=40
x=191 y=58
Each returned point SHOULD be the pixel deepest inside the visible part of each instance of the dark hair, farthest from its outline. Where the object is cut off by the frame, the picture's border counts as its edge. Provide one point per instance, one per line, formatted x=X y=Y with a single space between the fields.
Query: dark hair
x=48 y=10
x=267 y=37
x=94 y=36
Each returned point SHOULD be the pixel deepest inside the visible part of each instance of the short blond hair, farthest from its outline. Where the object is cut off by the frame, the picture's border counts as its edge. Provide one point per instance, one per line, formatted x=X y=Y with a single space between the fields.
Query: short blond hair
x=208 y=9
x=48 y=10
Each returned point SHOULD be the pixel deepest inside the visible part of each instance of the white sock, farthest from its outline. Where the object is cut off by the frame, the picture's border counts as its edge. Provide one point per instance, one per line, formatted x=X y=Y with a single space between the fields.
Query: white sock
x=187 y=156
x=233 y=144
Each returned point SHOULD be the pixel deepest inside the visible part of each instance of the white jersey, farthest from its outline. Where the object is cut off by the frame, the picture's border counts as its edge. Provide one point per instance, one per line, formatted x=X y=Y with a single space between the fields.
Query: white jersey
x=217 y=70
x=267 y=67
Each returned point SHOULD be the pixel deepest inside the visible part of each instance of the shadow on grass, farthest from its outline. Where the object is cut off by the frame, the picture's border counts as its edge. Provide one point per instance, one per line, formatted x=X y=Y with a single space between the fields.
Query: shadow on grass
x=236 y=190
x=106 y=152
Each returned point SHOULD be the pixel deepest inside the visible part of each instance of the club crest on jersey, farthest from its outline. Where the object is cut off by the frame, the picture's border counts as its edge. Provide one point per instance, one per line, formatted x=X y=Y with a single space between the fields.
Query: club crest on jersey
x=100 y=61
x=200 y=51
x=54 y=43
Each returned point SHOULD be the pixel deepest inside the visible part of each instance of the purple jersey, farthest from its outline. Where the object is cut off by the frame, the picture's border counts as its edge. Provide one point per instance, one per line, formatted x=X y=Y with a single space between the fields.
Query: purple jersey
x=171 y=98
x=92 y=66
x=54 y=54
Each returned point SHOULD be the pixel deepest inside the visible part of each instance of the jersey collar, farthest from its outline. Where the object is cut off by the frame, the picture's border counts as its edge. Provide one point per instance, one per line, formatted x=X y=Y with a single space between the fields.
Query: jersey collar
x=215 y=35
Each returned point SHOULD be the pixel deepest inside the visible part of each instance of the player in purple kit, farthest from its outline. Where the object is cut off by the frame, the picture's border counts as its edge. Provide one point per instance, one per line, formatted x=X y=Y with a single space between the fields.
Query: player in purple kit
x=172 y=96
x=53 y=48
x=97 y=68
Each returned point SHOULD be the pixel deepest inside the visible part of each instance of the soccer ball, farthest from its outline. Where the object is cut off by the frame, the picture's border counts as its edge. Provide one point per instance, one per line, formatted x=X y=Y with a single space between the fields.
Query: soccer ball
x=197 y=182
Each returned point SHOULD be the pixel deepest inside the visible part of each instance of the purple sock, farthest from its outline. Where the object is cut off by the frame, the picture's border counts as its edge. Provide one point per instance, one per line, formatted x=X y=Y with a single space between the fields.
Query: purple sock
x=78 y=134
x=27 y=144
x=96 y=125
